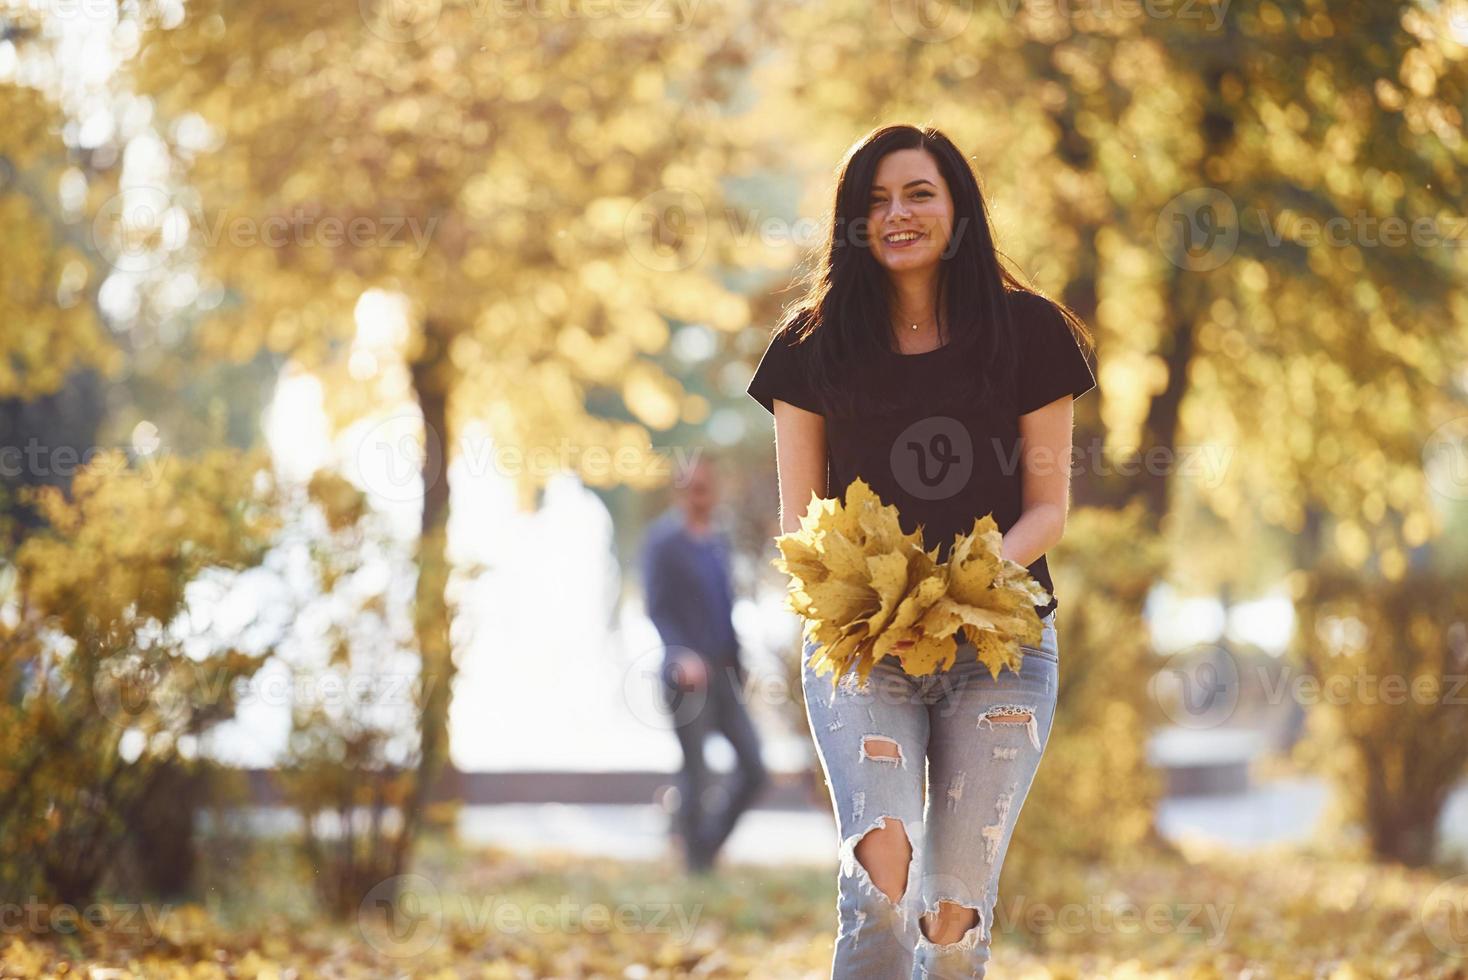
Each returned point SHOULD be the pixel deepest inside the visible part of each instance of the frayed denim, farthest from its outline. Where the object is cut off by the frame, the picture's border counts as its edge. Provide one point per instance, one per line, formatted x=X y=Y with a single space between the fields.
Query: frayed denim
x=967 y=746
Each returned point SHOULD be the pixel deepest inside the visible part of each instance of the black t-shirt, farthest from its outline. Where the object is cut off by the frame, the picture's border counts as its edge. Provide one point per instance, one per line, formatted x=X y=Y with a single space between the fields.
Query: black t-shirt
x=944 y=462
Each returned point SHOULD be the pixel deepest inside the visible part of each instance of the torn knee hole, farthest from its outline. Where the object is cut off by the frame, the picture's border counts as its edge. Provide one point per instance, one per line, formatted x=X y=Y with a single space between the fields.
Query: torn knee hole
x=884 y=853
x=882 y=748
x=949 y=923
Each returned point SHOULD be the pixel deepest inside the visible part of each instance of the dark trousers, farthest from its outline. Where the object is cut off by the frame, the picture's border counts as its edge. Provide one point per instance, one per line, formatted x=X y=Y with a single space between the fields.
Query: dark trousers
x=698 y=712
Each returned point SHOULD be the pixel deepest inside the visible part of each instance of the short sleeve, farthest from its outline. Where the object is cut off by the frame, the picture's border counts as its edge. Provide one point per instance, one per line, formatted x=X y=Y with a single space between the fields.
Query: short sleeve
x=781 y=374
x=1051 y=364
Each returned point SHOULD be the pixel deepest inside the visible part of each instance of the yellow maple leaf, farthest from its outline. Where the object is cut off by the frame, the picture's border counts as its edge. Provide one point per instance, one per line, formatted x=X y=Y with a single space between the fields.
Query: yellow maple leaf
x=868 y=590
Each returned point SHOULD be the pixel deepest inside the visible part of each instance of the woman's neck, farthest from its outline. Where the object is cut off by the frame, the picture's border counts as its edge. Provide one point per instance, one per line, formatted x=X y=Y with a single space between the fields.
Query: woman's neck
x=916 y=334
x=915 y=323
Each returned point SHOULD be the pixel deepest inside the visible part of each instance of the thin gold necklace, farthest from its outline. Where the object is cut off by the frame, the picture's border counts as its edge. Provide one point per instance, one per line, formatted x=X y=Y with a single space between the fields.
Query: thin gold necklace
x=915 y=326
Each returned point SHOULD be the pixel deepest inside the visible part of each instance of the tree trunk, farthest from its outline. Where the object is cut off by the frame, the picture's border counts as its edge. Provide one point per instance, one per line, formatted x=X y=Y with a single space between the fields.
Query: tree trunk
x=1402 y=828
x=430 y=613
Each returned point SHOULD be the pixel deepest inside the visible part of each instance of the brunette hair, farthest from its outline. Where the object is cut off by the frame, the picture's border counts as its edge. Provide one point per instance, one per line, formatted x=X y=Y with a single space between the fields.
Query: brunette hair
x=844 y=316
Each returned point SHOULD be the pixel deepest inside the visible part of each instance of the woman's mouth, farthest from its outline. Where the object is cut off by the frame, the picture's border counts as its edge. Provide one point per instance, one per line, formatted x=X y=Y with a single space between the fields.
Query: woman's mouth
x=902 y=239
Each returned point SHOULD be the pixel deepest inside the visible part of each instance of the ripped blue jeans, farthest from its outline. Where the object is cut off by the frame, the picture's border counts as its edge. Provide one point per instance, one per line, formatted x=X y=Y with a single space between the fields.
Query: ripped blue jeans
x=981 y=739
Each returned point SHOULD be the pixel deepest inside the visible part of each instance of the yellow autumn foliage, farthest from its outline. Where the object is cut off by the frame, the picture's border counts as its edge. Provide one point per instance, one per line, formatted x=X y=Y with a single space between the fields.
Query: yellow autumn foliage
x=49 y=327
x=866 y=590
x=104 y=642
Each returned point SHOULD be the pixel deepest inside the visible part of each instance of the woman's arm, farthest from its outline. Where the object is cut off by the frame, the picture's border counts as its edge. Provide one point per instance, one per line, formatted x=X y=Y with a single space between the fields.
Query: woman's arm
x=1045 y=437
x=800 y=460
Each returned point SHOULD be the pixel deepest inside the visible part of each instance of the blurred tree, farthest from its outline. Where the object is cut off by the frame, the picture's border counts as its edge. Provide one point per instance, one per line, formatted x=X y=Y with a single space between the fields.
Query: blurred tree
x=539 y=191
x=97 y=351
x=95 y=329
x=50 y=324
x=1386 y=664
x=53 y=343
x=1230 y=202
x=345 y=767
x=1252 y=205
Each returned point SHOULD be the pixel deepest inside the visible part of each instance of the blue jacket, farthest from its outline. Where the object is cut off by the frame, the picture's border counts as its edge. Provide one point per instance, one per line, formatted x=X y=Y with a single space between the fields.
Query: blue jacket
x=686 y=586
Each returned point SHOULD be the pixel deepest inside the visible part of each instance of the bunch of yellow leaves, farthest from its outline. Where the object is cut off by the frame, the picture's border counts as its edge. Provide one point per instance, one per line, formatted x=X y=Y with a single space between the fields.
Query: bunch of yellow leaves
x=864 y=587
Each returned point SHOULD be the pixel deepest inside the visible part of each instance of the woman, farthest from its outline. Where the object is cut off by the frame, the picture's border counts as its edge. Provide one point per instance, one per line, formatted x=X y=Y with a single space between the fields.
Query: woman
x=920 y=364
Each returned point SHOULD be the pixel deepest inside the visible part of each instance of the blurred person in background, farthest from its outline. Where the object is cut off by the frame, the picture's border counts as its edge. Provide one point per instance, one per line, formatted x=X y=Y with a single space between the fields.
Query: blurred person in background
x=690 y=599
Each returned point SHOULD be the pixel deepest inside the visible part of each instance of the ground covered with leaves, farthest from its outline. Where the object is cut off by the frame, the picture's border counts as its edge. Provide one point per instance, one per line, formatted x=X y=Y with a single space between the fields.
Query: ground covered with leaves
x=487 y=914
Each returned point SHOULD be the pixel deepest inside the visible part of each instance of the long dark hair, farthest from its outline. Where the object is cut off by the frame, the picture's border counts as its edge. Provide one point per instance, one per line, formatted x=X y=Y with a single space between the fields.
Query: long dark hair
x=844 y=317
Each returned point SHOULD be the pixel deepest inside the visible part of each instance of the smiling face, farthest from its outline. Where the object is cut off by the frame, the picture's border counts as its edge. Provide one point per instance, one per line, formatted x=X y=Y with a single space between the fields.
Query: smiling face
x=909 y=196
